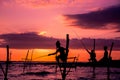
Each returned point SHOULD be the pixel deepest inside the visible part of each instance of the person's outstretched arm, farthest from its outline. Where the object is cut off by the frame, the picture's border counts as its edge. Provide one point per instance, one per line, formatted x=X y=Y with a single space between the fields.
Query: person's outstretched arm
x=53 y=53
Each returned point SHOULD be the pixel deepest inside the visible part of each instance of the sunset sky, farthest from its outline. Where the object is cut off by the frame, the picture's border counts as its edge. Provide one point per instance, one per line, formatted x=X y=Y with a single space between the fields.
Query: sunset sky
x=38 y=24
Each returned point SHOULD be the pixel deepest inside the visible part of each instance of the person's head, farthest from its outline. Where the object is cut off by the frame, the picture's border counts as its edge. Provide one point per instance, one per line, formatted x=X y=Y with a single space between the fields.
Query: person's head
x=58 y=44
x=105 y=47
x=92 y=51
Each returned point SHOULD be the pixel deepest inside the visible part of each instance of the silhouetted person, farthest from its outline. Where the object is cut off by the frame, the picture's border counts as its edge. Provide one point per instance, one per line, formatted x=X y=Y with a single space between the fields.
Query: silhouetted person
x=105 y=53
x=92 y=56
x=62 y=56
x=105 y=57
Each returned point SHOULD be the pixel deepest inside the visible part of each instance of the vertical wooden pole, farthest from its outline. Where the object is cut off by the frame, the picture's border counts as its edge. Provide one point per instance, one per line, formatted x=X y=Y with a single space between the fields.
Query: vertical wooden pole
x=32 y=55
x=67 y=49
x=67 y=44
x=7 y=63
x=30 y=64
x=93 y=62
x=111 y=50
x=109 y=60
x=2 y=69
x=94 y=45
x=26 y=58
x=10 y=57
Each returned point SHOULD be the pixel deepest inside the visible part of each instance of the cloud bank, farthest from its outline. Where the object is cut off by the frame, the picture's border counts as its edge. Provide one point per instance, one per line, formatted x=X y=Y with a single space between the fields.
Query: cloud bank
x=108 y=18
x=32 y=40
x=27 y=40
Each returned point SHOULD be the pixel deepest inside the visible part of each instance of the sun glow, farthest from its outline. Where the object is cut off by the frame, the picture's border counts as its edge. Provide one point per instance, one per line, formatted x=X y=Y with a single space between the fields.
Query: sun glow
x=42 y=33
x=42 y=55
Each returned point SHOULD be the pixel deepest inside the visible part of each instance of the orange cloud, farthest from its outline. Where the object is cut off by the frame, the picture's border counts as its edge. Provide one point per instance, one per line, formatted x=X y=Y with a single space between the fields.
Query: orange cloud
x=55 y=3
x=45 y=3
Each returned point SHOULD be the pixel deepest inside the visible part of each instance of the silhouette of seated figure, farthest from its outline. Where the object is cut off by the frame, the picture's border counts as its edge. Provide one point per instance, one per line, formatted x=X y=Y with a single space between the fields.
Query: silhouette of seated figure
x=62 y=56
x=92 y=56
x=105 y=53
x=105 y=57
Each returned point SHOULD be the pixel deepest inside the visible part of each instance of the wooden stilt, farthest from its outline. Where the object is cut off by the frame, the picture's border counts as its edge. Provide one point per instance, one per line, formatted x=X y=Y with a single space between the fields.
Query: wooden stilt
x=94 y=45
x=109 y=60
x=67 y=50
x=25 y=61
x=30 y=64
x=94 y=62
x=10 y=57
x=7 y=64
x=2 y=69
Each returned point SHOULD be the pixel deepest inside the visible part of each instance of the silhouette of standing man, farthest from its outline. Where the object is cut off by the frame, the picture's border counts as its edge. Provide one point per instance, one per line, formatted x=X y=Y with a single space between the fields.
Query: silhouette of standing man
x=62 y=56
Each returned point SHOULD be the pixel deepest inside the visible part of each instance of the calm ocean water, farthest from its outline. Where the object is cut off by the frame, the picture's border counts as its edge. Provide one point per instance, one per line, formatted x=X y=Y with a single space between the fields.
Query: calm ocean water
x=47 y=72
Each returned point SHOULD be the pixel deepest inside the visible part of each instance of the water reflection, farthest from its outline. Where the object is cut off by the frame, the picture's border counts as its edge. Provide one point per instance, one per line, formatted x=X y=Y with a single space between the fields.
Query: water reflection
x=81 y=73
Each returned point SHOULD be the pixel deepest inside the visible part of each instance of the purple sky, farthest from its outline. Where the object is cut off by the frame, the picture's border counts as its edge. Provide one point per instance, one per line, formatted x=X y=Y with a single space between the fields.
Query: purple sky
x=30 y=21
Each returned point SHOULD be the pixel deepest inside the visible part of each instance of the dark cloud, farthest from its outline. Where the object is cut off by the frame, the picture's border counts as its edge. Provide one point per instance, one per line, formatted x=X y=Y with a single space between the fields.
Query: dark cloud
x=118 y=30
x=100 y=43
x=118 y=38
x=27 y=40
x=97 y=19
x=33 y=40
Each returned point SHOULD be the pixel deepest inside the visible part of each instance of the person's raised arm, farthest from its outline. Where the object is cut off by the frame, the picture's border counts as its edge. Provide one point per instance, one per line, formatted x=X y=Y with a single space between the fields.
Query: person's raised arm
x=87 y=51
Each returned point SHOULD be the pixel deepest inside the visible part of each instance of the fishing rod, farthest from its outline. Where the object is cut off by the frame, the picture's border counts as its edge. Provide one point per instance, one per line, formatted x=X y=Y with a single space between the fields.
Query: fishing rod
x=41 y=56
x=82 y=42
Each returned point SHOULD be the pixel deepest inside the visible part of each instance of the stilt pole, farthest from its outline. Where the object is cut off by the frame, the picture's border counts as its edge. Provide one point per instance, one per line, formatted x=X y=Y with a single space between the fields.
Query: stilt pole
x=7 y=63
x=67 y=50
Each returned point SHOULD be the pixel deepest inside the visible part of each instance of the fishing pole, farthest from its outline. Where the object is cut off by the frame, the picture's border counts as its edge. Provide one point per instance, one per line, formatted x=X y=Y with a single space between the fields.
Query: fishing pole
x=81 y=42
x=41 y=56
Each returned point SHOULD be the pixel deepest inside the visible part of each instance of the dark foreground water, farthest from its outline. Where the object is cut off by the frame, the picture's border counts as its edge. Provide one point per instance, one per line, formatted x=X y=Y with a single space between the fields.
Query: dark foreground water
x=47 y=72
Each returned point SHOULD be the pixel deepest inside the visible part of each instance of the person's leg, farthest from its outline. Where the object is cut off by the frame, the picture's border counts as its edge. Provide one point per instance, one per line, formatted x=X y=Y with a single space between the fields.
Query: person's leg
x=57 y=58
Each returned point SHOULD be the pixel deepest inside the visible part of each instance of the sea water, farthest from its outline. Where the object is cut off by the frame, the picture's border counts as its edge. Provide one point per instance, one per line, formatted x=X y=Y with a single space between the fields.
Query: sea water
x=48 y=72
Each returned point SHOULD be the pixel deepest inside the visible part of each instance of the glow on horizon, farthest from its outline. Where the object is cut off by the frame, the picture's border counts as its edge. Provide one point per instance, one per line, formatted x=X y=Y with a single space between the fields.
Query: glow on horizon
x=82 y=55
